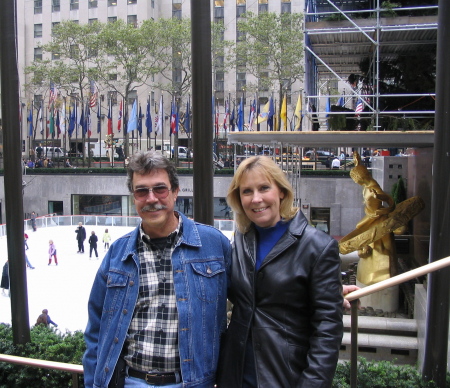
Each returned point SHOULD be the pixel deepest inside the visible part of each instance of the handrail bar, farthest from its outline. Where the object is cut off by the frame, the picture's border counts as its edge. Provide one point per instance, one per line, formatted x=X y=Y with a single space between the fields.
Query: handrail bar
x=404 y=277
x=355 y=295
x=74 y=369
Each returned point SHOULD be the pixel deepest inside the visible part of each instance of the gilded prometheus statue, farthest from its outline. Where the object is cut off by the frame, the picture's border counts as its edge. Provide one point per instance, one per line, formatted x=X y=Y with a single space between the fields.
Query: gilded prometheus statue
x=373 y=237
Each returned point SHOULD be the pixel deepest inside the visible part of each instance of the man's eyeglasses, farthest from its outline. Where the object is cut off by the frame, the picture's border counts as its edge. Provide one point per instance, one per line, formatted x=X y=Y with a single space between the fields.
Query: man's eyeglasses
x=160 y=192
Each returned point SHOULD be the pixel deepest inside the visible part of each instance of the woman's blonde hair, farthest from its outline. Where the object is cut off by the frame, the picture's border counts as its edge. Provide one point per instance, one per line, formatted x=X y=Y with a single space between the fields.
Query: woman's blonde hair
x=272 y=172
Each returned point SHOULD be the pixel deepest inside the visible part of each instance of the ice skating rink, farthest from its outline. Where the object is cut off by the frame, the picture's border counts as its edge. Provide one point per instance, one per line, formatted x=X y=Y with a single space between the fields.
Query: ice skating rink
x=64 y=289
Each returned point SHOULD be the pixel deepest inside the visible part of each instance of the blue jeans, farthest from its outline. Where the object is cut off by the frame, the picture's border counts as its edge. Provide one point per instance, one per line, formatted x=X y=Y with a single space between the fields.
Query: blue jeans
x=133 y=382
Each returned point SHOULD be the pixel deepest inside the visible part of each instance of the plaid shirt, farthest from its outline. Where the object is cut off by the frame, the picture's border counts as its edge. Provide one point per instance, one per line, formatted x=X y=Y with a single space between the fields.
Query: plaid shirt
x=153 y=333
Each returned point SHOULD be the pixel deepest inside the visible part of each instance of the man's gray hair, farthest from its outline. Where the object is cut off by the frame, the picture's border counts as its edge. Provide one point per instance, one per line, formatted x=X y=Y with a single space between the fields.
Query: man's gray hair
x=144 y=162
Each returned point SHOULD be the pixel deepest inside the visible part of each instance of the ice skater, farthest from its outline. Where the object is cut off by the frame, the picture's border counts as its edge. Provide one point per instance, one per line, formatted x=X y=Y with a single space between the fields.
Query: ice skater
x=52 y=252
x=93 y=244
x=106 y=240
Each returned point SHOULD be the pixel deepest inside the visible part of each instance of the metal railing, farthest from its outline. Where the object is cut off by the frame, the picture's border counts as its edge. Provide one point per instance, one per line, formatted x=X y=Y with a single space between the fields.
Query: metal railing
x=354 y=297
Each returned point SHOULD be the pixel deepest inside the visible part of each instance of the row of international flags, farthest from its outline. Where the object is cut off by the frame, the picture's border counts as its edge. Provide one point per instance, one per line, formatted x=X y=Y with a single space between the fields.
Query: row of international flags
x=62 y=117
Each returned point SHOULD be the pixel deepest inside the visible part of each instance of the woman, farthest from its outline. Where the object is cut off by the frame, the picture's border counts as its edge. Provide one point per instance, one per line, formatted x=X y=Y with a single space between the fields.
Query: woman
x=286 y=325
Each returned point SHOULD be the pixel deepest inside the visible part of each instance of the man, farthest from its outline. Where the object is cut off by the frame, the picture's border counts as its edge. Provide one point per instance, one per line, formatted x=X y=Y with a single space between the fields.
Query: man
x=158 y=302
x=81 y=236
x=336 y=163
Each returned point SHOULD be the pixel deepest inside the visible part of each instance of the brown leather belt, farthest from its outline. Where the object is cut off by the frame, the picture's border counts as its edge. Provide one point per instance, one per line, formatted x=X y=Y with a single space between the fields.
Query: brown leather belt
x=155 y=378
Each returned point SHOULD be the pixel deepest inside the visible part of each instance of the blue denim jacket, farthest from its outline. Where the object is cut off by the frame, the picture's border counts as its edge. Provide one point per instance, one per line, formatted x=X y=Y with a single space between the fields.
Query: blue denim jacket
x=201 y=265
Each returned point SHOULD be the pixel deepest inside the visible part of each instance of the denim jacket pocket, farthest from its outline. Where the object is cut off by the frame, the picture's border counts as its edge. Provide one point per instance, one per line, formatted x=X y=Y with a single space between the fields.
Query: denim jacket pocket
x=208 y=279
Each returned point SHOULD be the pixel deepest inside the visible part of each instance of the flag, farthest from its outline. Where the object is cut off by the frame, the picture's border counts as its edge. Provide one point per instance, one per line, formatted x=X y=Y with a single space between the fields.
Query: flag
x=298 y=112
x=271 y=114
x=359 y=107
x=39 y=118
x=240 y=114
x=139 y=124
x=232 y=123
x=148 y=119
x=58 y=126
x=62 y=124
x=87 y=117
x=341 y=101
x=119 y=117
x=227 y=114
x=264 y=114
x=71 y=121
x=283 y=113
x=328 y=107
x=252 y=115
x=216 y=121
x=52 y=122
x=110 y=130
x=53 y=93
x=187 y=117
x=99 y=118
x=132 y=121
x=82 y=122
x=30 y=121
x=159 y=126
x=93 y=94
x=173 y=117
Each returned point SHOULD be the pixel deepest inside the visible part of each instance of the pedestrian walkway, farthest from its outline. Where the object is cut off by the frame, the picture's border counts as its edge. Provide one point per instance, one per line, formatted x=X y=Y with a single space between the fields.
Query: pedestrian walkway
x=64 y=289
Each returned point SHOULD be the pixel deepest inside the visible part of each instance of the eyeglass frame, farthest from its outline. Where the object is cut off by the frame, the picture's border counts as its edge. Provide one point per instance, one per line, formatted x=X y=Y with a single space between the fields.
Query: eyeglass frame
x=150 y=190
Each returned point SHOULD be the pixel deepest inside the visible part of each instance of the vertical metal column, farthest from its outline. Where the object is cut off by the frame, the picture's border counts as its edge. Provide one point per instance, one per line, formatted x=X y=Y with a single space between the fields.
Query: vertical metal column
x=13 y=173
x=354 y=344
x=202 y=123
x=436 y=337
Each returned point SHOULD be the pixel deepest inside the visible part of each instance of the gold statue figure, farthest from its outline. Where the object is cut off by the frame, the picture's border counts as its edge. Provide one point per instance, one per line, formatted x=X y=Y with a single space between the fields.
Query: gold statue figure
x=373 y=237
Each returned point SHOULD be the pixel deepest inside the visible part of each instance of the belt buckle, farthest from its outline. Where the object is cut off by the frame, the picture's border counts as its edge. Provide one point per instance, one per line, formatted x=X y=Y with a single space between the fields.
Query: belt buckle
x=150 y=375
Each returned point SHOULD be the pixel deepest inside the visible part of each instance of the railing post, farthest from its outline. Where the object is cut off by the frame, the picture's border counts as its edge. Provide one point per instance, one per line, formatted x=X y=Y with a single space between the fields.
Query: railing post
x=354 y=344
x=75 y=382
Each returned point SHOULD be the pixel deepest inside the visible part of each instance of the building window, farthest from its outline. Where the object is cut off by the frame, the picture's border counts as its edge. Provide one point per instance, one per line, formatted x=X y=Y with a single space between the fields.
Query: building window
x=92 y=4
x=112 y=77
x=112 y=3
x=38 y=54
x=113 y=97
x=132 y=96
x=37 y=101
x=112 y=19
x=153 y=4
x=219 y=84
x=132 y=1
x=56 y=56
x=54 y=24
x=38 y=30
x=240 y=81
x=56 y=6
x=74 y=4
x=219 y=3
x=263 y=6
x=37 y=6
x=176 y=9
x=240 y=10
x=132 y=19
x=285 y=6
x=92 y=21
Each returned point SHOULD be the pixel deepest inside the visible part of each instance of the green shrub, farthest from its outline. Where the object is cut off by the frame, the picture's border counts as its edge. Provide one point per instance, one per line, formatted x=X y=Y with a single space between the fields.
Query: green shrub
x=46 y=344
x=381 y=374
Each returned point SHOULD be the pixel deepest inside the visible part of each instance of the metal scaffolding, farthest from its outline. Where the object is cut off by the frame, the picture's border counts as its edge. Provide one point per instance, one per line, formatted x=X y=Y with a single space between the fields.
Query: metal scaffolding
x=341 y=34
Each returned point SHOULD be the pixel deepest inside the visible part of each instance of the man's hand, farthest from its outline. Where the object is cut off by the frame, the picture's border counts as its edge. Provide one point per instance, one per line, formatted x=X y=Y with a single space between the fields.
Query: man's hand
x=347 y=289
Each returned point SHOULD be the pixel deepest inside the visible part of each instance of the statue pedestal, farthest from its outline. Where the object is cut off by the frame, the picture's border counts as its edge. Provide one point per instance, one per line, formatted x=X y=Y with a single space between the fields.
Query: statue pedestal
x=386 y=300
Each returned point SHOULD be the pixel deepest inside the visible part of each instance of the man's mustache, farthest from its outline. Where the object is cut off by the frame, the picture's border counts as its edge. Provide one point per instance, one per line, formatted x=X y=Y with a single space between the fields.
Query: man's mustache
x=150 y=208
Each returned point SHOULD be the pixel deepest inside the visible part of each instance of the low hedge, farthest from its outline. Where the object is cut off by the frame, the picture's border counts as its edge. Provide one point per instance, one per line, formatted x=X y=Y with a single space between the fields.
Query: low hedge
x=48 y=344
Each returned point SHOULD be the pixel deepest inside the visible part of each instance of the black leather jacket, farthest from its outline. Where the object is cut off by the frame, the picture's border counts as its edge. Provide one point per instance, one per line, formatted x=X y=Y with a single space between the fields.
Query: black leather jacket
x=292 y=306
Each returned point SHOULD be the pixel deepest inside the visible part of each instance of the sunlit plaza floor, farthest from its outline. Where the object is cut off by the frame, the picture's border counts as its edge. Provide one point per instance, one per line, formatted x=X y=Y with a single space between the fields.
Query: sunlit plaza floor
x=64 y=289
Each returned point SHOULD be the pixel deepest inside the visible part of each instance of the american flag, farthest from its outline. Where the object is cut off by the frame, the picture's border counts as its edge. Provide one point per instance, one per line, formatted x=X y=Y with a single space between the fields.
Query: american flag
x=359 y=107
x=53 y=93
x=93 y=95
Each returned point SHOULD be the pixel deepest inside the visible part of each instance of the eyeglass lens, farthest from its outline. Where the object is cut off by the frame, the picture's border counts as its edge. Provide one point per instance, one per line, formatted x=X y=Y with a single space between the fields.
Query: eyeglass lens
x=158 y=191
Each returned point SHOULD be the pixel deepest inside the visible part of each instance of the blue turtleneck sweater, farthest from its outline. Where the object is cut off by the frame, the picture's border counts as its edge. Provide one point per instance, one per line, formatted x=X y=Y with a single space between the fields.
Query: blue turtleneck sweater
x=267 y=238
